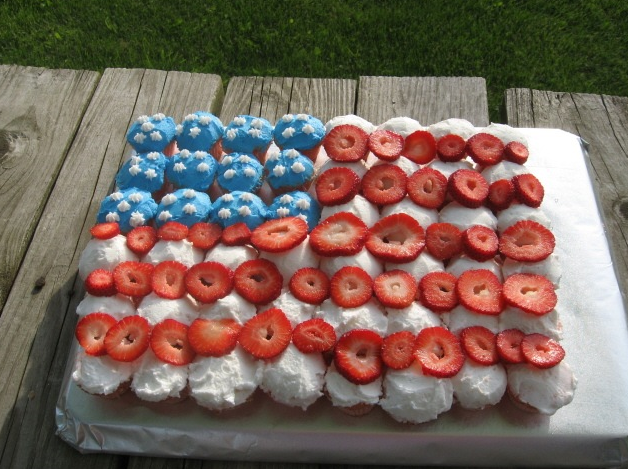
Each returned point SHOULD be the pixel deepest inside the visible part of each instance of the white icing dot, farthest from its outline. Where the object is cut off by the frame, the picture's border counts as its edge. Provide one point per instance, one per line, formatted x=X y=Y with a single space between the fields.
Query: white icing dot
x=204 y=120
x=246 y=197
x=153 y=155
x=184 y=154
x=226 y=160
x=203 y=167
x=179 y=129
x=169 y=199
x=286 y=199
x=164 y=215
x=194 y=132
x=308 y=129
x=239 y=120
x=124 y=206
x=255 y=133
x=155 y=136
x=279 y=170
x=136 y=197
x=249 y=172
x=297 y=167
x=112 y=217
x=273 y=156
x=232 y=134
x=302 y=217
x=287 y=118
x=302 y=117
x=199 y=155
x=189 y=193
x=139 y=138
x=179 y=167
x=136 y=159
x=289 y=132
x=283 y=212
x=142 y=119
x=292 y=154
x=159 y=116
x=227 y=198
x=303 y=204
x=189 y=209
x=190 y=117
x=224 y=213
x=150 y=173
x=116 y=196
x=257 y=124
x=229 y=173
x=137 y=219
x=147 y=126
x=244 y=159
x=245 y=211
x=135 y=170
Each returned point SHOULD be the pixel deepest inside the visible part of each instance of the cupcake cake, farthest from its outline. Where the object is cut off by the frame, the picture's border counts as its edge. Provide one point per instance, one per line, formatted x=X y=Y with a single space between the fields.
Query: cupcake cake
x=192 y=169
x=248 y=134
x=151 y=133
x=129 y=208
x=185 y=206
x=144 y=171
x=200 y=131
x=288 y=170
x=240 y=172
x=301 y=132
x=237 y=207
x=296 y=204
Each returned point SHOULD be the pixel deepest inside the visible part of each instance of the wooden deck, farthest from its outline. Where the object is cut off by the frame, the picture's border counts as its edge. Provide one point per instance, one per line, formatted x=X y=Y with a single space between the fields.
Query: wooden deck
x=62 y=141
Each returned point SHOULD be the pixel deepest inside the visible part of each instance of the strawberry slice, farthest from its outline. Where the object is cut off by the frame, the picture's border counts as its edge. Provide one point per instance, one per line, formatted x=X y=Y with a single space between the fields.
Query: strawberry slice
x=172 y=231
x=105 y=230
x=530 y=292
x=266 y=334
x=437 y=291
x=386 y=144
x=204 y=235
x=480 y=345
x=528 y=189
x=509 y=345
x=237 y=234
x=397 y=238
x=395 y=288
x=314 y=335
x=214 y=337
x=100 y=282
x=480 y=243
x=346 y=143
x=141 y=239
x=384 y=184
x=516 y=152
x=91 y=330
x=427 y=187
x=419 y=147
x=451 y=148
x=485 y=149
x=501 y=193
x=342 y=234
x=310 y=285
x=209 y=281
x=133 y=278
x=439 y=352
x=443 y=240
x=337 y=186
x=541 y=351
x=351 y=287
x=258 y=281
x=128 y=339
x=279 y=234
x=480 y=291
x=527 y=241
x=398 y=350
x=168 y=279
x=358 y=356
x=468 y=187
x=169 y=342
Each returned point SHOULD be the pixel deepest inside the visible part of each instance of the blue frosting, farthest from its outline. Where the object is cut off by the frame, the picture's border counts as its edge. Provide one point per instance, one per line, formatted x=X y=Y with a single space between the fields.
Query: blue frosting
x=288 y=169
x=193 y=170
x=151 y=133
x=185 y=206
x=240 y=172
x=238 y=206
x=296 y=204
x=199 y=131
x=300 y=131
x=129 y=207
x=144 y=171
x=247 y=134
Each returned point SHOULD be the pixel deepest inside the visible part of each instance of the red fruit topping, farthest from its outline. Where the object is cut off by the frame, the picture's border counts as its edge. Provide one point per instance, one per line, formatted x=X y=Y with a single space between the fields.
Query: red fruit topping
x=386 y=144
x=314 y=335
x=213 y=337
x=168 y=280
x=100 y=282
x=451 y=148
x=258 y=281
x=516 y=152
x=509 y=346
x=337 y=186
x=395 y=288
x=468 y=187
x=346 y=143
x=480 y=345
x=398 y=350
x=384 y=184
x=351 y=287
x=396 y=238
x=172 y=231
x=443 y=240
x=530 y=292
x=480 y=243
x=485 y=149
x=439 y=352
x=420 y=147
x=266 y=334
x=342 y=234
x=541 y=351
x=528 y=189
x=279 y=234
x=358 y=356
x=133 y=278
x=169 y=342
x=310 y=285
x=209 y=281
x=501 y=193
x=128 y=339
x=527 y=241
x=91 y=331
x=204 y=235
x=480 y=291
x=427 y=188
x=237 y=234
x=437 y=291
x=105 y=230
x=141 y=240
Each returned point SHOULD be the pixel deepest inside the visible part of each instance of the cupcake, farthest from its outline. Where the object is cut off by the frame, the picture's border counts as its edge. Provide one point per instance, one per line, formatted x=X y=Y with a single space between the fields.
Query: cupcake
x=240 y=172
x=248 y=134
x=144 y=171
x=301 y=132
x=152 y=133
x=185 y=206
x=195 y=170
x=288 y=171
x=200 y=131
x=104 y=254
x=296 y=204
x=237 y=207
x=130 y=208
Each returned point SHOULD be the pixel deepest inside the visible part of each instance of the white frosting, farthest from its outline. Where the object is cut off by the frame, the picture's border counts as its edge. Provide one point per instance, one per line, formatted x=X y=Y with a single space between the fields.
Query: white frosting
x=155 y=309
x=359 y=206
x=182 y=251
x=100 y=375
x=420 y=266
x=404 y=126
x=478 y=386
x=447 y=168
x=505 y=133
x=344 y=393
x=549 y=267
x=413 y=318
x=359 y=167
x=288 y=262
x=363 y=259
x=155 y=381
x=460 y=264
x=548 y=324
x=464 y=217
x=232 y=306
x=231 y=256
x=296 y=311
x=424 y=216
x=407 y=166
x=503 y=170
x=517 y=212
x=117 y=306
x=461 y=127
x=350 y=119
x=104 y=254
x=460 y=317
x=370 y=315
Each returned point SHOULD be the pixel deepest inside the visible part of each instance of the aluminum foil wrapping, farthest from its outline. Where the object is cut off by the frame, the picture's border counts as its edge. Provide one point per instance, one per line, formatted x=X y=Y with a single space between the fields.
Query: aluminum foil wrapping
x=591 y=431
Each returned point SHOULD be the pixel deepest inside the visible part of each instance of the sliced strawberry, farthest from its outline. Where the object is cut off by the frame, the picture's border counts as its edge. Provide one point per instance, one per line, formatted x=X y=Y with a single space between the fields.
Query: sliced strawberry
x=168 y=280
x=527 y=241
x=437 y=291
x=128 y=339
x=468 y=187
x=384 y=184
x=91 y=330
x=396 y=238
x=314 y=335
x=541 y=351
x=209 y=281
x=100 y=282
x=530 y=292
x=133 y=278
x=204 y=235
x=419 y=147
x=141 y=239
x=266 y=334
x=480 y=345
x=358 y=356
x=480 y=291
x=395 y=288
x=443 y=240
x=337 y=186
x=509 y=345
x=501 y=193
x=398 y=350
x=386 y=144
x=485 y=149
x=528 y=189
x=342 y=234
x=451 y=147
x=172 y=231
x=310 y=285
x=279 y=234
x=480 y=243
x=439 y=352
x=516 y=152
x=169 y=342
x=346 y=143
x=258 y=281
x=427 y=188
x=214 y=337
x=237 y=234
x=351 y=287
x=105 y=230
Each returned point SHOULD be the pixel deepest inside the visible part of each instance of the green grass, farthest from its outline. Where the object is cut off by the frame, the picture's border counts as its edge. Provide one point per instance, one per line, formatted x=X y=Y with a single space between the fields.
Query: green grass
x=566 y=45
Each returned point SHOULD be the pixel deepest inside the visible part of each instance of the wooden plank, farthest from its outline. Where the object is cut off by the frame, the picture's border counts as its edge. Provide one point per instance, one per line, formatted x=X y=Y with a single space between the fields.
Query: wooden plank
x=602 y=121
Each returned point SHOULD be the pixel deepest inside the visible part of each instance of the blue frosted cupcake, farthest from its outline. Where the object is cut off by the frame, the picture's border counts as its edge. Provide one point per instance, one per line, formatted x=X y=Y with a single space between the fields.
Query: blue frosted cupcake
x=130 y=208
x=237 y=207
x=151 y=133
x=185 y=206
x=301 y=132
x=194 y=170
x=144 y=171
x=248 y=134
x=288 y=170
x=200 y=131
x=240 y=172
x=296 y=204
